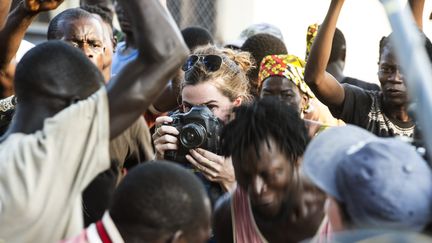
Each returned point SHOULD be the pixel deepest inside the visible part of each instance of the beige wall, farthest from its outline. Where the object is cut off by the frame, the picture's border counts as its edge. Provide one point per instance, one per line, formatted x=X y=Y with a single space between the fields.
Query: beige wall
x=232 y=17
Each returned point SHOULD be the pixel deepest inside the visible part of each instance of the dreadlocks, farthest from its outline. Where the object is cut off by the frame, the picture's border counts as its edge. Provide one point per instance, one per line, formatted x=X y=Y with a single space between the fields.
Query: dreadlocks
x=263 y=120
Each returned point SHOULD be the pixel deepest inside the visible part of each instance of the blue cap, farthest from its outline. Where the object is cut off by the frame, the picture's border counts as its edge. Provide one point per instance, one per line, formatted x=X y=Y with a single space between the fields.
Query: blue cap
x=382 y=182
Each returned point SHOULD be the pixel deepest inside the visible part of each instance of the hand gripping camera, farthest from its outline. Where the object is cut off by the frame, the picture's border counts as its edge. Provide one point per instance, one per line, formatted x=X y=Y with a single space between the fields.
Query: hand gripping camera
x=198 y=128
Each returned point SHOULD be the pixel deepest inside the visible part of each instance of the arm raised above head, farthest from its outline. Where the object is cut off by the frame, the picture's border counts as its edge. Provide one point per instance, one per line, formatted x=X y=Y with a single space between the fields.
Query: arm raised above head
x=156 y=34
x=161 y=53
x=324 y=85
x=17 y=24
x=417 y=7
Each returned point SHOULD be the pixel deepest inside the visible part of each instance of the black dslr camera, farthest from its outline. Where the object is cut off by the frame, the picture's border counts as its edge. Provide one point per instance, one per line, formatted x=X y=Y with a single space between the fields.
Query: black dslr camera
x=198 y=128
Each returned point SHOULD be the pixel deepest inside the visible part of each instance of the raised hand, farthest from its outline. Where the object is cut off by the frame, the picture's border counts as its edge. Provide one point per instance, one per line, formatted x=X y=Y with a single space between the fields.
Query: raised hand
x=37 y=6
x=324 y=85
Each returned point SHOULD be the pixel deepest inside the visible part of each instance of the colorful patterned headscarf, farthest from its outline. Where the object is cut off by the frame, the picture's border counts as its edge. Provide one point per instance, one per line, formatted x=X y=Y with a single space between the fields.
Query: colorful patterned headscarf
x=312 y=32
x=287 y=66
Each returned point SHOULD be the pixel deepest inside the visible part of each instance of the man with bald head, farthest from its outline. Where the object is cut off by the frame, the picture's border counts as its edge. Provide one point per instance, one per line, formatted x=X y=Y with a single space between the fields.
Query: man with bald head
x=65 y=116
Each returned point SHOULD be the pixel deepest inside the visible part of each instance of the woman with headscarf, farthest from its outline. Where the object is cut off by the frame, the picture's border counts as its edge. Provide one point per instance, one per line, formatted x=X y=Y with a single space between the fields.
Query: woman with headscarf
x=281 y=76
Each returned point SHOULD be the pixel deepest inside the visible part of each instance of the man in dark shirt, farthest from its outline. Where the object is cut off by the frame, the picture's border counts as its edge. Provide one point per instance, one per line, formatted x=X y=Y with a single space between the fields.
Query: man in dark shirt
x=383 y=113
x=357 y=82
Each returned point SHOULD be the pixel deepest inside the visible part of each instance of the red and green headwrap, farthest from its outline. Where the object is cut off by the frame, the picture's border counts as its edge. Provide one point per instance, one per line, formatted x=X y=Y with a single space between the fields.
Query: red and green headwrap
x=287 y=66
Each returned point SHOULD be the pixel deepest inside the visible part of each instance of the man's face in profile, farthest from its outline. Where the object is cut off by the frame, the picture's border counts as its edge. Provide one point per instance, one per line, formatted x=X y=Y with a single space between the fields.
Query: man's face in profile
x=86 y=34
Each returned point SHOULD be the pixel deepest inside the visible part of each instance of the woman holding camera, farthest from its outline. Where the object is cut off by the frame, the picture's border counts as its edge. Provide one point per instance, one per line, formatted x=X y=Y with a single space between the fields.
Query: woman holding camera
x=215 y=78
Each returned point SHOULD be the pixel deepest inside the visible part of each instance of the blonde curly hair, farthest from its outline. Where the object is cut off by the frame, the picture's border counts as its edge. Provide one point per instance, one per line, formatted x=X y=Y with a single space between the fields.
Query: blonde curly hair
x=230 y=79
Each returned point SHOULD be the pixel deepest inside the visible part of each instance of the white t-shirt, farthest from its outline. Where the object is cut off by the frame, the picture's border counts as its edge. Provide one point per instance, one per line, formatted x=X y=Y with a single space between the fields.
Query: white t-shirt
x=43 y=174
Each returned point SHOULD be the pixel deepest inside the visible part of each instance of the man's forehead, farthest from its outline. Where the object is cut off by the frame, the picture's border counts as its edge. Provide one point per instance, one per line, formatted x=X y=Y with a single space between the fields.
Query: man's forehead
x=278 y=81
x=83 y=21
x=388 y=57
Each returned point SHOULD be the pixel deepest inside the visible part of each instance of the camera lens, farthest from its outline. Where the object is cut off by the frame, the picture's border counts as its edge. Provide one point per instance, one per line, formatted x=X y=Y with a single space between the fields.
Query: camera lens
x=192 y=135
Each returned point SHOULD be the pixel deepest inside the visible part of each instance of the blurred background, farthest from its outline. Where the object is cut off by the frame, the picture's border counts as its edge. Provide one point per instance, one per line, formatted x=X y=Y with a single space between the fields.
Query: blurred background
x=362 y=21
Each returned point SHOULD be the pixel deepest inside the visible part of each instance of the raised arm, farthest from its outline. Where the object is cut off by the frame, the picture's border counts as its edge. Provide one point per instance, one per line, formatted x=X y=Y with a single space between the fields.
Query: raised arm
x=17 y=24
x=417 y=7
x=4 y=10
x=324 y=85
x=162 y=51
x=167 y=100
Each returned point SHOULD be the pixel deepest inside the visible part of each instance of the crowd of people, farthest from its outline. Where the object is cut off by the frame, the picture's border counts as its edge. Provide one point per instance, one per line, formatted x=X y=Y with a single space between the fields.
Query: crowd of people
x=155 y=134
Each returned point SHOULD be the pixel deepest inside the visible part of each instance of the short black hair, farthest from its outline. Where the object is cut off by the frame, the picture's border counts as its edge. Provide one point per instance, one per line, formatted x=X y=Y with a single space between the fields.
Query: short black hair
x=265 y=119
x=338 y=46
x=70 y=14
x=155 y=200
x=55 y=69
x=260 y=46
x=105 y=14
x=196 y=36
x=386 y=42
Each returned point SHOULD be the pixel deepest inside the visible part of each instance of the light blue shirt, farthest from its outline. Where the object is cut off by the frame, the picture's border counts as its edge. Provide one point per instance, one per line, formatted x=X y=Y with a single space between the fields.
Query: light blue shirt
x=120 y=59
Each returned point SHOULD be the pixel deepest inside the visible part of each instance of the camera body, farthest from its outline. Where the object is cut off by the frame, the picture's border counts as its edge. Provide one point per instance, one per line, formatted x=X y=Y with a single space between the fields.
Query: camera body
x=198 y=128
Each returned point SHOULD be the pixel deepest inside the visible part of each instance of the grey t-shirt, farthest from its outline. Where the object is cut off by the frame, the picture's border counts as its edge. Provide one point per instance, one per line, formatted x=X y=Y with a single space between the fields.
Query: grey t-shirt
x=43 y=174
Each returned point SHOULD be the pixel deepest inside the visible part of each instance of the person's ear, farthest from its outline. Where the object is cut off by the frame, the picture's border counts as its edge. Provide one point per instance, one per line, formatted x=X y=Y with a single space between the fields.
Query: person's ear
x=114 y=42
x=305 y=103
x=343 y=54
x=3 y=79
x=238 y=101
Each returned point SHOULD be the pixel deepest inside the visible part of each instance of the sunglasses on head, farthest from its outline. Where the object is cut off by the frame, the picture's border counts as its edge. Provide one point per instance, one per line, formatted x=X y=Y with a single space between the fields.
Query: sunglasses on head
x=211 y=62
